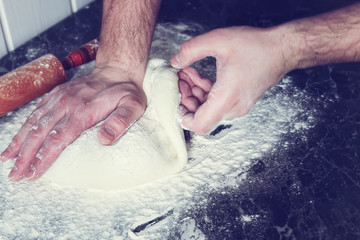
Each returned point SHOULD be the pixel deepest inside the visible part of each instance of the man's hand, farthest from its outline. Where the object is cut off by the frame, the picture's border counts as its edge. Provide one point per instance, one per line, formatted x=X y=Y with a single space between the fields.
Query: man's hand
x=70 y=109
x=113 y=91
x=250 y=60
x=248 y=63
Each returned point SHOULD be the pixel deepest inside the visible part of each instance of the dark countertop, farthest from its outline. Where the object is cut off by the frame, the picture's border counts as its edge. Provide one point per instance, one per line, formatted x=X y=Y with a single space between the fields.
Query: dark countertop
x=317 y=194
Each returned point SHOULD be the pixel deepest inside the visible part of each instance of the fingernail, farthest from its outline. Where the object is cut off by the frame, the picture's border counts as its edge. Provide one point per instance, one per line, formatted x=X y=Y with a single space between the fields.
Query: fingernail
x=182 y=110
x=31 y=172
x=108 y=133
x=188 y=117
x=13 y=173
x=176 y=61
x=3 y=159
x=6 y=152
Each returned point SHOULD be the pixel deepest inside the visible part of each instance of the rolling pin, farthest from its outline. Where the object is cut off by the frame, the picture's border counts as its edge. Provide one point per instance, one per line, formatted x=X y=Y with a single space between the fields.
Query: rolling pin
x=39 y=76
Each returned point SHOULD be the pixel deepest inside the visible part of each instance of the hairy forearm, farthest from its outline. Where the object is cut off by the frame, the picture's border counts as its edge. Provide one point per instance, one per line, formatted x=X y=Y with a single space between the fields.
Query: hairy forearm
x=126 y=33
x=328 y=38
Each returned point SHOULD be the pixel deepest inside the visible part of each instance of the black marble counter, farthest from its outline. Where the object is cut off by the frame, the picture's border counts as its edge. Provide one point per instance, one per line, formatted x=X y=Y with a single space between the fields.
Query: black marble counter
x=317 y=194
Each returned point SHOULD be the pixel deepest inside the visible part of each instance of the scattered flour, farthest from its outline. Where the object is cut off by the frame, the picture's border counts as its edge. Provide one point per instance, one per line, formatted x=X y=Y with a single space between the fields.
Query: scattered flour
x=37 y=210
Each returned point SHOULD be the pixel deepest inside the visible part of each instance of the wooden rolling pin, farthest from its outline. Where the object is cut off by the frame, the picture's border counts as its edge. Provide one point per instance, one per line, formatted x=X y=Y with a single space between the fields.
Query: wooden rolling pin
x=40 y=76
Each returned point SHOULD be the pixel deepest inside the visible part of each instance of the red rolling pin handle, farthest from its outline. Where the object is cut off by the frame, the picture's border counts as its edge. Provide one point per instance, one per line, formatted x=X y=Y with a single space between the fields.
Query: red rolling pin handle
x=84 y=54
x=40 y=76
x=29 y=82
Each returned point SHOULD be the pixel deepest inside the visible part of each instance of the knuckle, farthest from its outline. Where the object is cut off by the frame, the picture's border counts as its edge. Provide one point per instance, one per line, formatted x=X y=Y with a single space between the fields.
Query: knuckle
x=64 y=100
x=134 y=103
x=58 y=138
x=43 y=122
x=35 y=115
x=15 y=142
x=31 y=121
x=192 y=103
x=36 y=133
x=121 y=119
x=37 y=162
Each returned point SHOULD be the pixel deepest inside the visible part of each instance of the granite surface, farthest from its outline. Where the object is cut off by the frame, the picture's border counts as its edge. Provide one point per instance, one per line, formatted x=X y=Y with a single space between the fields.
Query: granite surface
x=317 y=194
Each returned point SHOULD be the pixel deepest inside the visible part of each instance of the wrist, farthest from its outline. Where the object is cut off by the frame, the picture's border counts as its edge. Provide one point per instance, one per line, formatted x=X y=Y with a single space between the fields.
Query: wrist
x=115 y=72
x=133 y=69
x=292 y=46
x=306 y=43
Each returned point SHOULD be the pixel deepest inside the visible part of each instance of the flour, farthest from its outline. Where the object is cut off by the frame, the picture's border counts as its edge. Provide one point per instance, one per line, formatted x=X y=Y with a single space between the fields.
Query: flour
x=220 y=162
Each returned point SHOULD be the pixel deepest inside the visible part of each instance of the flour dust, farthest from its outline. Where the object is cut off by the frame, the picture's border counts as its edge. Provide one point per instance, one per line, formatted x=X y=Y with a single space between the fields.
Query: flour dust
x=39 y=210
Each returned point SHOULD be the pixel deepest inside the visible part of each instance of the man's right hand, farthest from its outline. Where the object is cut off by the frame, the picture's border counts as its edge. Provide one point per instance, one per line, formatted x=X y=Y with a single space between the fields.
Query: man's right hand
x=248 y=61
x=251 y=60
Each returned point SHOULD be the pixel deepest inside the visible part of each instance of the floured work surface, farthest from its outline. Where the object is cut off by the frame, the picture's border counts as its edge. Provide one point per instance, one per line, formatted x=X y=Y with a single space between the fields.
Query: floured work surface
x=176 y=206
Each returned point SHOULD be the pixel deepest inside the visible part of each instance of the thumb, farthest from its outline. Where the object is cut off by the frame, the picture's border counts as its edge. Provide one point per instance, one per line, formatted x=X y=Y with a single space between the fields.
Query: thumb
x=127 y=113
x=196 y=49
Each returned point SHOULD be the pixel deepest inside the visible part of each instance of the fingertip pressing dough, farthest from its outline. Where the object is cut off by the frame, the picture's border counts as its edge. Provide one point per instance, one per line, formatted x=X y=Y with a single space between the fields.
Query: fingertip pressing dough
x=152 y=148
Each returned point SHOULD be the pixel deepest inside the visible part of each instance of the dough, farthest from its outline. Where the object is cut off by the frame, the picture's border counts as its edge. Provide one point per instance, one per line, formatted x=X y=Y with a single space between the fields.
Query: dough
x=152 y=148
